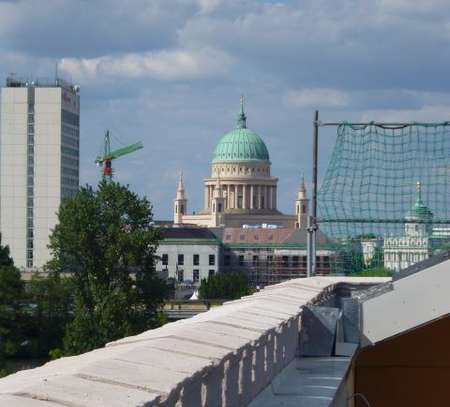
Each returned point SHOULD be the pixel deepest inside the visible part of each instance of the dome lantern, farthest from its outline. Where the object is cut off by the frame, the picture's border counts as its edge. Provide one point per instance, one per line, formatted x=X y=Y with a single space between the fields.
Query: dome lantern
x=241 y=144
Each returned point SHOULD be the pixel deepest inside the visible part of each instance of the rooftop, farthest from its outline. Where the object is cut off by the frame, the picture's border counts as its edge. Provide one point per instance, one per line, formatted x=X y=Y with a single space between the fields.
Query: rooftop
x=15 y=82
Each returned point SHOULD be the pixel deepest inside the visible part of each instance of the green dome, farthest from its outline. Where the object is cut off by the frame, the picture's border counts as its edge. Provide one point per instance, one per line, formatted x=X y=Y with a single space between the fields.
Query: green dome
x=419 y=211
x=241 y=144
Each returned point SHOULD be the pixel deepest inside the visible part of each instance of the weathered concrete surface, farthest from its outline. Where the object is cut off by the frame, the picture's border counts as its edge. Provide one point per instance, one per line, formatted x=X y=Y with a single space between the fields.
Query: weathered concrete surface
x=223 y=357
x=411 y=301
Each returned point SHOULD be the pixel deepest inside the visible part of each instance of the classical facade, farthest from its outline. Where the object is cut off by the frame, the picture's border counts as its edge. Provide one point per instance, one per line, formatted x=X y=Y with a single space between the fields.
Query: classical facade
x=241 y=189
x=415 y=245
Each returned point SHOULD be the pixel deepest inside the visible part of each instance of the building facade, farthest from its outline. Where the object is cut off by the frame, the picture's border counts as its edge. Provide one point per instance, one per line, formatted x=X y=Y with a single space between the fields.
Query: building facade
x=241 y=189
x=265 y=255
x=188 y=255
x=415 y=245
x=269 y=256
x=39 y=163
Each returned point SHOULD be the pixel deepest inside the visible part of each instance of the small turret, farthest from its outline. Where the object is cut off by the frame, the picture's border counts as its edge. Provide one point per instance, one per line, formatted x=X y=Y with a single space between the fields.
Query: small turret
x=301 y=206
x=180 y=203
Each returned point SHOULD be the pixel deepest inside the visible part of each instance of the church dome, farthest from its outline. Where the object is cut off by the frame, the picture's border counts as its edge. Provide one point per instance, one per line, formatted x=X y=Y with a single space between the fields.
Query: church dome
x=241 y=144
x=419 y=211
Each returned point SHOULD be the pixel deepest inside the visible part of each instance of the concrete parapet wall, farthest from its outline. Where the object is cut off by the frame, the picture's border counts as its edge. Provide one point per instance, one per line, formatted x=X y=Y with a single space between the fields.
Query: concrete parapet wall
x=223 y=357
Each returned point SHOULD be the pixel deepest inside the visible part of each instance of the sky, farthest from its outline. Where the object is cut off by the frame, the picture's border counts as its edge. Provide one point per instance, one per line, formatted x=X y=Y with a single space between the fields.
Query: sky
x=170 y=73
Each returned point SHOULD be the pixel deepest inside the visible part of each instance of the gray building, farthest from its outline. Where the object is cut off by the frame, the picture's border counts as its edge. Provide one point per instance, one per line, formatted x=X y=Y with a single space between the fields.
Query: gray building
x=188 y=255
x=271 y=255
x=39 y=163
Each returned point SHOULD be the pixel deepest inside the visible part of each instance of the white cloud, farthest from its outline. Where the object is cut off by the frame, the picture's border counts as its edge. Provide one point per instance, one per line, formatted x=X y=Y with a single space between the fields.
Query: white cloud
x=317 y=97
x=181 y=64
x=208 y=6
x=427 y=113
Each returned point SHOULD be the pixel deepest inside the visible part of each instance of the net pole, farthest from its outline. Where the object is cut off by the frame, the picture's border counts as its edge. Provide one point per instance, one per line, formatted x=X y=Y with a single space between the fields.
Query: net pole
x=313 y=218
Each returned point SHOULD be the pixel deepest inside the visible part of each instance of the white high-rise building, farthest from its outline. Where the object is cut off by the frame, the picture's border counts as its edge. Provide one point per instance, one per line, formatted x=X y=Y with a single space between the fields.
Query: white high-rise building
x=39 y=163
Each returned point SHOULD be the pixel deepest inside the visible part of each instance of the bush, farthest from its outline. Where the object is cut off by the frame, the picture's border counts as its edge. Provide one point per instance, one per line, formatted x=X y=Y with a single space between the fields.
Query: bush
x=226 y=286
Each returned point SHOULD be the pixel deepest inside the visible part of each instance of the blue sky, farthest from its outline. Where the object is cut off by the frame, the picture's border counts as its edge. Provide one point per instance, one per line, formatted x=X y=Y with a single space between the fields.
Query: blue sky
x=170 y=73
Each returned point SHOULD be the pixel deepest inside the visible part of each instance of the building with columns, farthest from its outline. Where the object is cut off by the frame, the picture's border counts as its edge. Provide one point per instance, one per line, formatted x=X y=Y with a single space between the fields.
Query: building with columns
x=415 y=245
x=241 y=189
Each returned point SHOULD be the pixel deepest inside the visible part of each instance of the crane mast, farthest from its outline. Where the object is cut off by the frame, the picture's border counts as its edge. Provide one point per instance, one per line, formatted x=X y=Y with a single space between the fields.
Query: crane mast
x=105 y=160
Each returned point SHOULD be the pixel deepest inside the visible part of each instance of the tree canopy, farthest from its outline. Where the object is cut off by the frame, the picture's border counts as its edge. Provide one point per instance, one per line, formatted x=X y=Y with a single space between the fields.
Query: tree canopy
x=11 y=295
x=227 y=286
x=106 y=241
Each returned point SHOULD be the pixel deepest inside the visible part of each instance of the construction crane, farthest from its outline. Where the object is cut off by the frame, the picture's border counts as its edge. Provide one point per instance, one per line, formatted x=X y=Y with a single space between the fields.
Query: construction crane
x=108 y=155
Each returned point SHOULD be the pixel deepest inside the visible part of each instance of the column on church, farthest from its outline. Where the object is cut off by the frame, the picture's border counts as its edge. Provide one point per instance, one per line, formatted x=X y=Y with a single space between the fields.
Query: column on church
x=244 y=196
x=228 y=197
x=251 y=196
x=275 y=197
x=205 y=200
x=235 y=196
x=258 y=204
x=270 y=197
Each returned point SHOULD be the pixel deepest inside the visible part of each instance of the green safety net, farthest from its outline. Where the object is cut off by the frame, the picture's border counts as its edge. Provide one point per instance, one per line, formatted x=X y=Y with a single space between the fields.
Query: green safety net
x=375 y=178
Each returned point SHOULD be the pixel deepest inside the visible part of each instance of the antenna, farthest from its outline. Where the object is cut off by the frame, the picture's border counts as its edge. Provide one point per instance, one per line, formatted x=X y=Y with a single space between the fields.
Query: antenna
x=56 y=73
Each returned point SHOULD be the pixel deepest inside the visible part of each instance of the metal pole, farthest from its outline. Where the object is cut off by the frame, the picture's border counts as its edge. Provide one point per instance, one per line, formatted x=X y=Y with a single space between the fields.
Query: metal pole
x=383 y=124
x=314 y=195
x=309 y=248
x=312 y=220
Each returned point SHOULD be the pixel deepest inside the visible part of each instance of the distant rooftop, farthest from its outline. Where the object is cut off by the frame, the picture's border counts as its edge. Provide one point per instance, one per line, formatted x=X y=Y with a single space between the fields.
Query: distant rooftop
x=16 y=82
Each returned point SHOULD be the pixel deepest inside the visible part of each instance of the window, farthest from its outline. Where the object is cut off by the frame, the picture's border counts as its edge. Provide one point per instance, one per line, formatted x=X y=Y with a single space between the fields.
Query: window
x=304 y=261
x=285 y=261
x=255 y=260
x=212 y=259
x=70 y=118
x=180 y=276
x=195 y=276
x=211 y=273
x=270 y=259
x=165 y=259
x=295 y=261
x=227 y=260
x=196 y=259
x=241 y=260
x=181 y=259
x=326 y=261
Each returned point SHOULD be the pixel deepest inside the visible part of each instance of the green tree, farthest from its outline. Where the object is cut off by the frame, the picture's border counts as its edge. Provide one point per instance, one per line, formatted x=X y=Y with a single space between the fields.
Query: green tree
x=51 y=300
x=106 y=241
x=11 y=296
x=374 y=272
x=227 y=286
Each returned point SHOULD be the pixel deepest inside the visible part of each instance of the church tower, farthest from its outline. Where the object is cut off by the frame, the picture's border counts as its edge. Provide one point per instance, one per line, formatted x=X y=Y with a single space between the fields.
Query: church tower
x=301 y=206
x=419 y=220
x=218 y=204
x=180 y=204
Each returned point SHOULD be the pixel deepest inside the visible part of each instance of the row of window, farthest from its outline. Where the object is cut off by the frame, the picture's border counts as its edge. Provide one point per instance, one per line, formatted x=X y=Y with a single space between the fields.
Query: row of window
x=70 y=118
x=70 y=131
x=195 y=275
x=69 y=181
x=70 y=141
x=195 y=259
x=30 y=186
x=285 y=261
x=70 y=151
x=70 y=171
x=71 y=162
x=68 y=192
x=246 y=170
